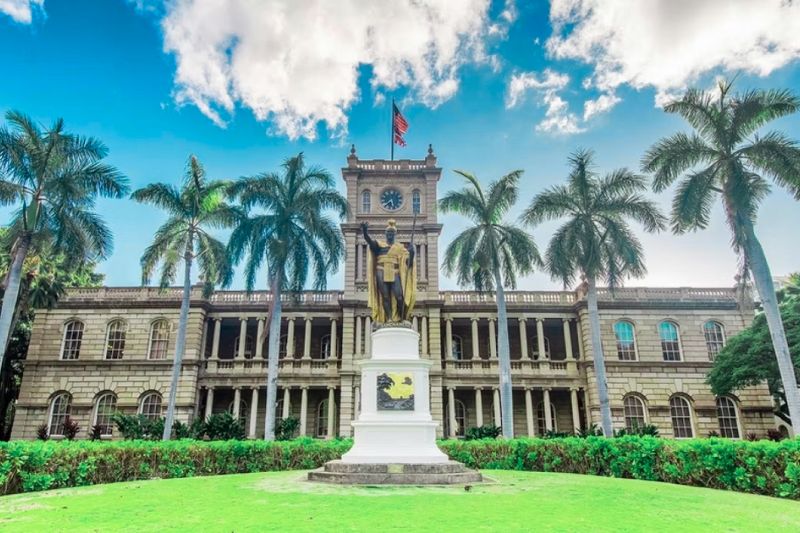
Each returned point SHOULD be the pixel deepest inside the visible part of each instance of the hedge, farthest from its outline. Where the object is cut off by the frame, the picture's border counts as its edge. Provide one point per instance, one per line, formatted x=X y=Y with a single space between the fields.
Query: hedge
x=763 y=467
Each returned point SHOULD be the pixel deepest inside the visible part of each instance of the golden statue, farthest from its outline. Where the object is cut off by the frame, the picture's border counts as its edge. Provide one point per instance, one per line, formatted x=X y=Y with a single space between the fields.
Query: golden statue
x=391 y=276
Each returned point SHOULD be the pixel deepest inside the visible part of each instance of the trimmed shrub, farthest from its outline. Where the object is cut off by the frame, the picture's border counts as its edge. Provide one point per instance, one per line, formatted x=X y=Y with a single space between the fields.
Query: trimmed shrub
x=483 y=432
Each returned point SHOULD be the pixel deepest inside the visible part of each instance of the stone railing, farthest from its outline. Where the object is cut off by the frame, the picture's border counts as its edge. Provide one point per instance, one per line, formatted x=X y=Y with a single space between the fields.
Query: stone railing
x=512 y=297
x=712 y=294
x=287 y=367
x=382 y=164
x=519 y=367
x=127 y=293
x=144 y=294
x=303 y=298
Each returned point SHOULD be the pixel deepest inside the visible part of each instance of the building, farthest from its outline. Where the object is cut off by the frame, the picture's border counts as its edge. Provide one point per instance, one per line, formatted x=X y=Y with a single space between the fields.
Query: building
x=108 y=349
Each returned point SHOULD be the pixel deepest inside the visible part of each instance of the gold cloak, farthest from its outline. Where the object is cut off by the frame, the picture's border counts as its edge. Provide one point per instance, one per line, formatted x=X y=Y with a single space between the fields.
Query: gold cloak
x=395 y=260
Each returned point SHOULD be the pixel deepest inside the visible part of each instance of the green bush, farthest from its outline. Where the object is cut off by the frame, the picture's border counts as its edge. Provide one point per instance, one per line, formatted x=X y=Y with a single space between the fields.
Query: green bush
x=286 y=428
x=483 y=432
x=138 y=427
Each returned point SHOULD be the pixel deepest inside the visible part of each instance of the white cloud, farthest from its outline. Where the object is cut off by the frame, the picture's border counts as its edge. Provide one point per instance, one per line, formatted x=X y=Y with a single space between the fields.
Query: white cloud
x=669 y=44
x=20 y=10
x=557 y=119
x=599 y=105
x=296 y=64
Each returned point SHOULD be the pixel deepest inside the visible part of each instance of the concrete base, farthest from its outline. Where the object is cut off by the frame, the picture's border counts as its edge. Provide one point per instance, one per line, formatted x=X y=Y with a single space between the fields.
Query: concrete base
x=394 y=441
x=445 y=473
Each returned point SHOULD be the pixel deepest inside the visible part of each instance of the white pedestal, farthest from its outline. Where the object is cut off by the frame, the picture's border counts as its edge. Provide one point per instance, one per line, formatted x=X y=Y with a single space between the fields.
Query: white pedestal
x=395 y=436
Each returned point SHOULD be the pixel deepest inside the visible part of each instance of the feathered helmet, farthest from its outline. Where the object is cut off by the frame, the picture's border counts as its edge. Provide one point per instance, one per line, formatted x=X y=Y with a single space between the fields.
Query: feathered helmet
x=391 y=226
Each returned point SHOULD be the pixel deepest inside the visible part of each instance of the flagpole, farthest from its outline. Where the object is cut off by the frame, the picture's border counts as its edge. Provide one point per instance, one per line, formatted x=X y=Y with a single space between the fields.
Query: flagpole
x=391 y=119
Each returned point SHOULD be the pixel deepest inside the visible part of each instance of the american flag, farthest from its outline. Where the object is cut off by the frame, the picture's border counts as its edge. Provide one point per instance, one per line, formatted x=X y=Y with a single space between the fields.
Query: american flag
x=399 y=126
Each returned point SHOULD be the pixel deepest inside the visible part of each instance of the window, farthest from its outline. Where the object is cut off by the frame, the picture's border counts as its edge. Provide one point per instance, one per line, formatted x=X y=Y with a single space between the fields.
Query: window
x=416 y=202
x=541 y=422
x=715 y=338
x=366 y=202
x=322 y=418
x=670 y=341
x=150 y=405
x=533 y=345
x=282 y=346
x=458 y=347
x=59 y=412
x=115 y=339
x=244 y=412
x=325 y=347
x=728 y=420
x=73 y=335
x=634 y=411
x=279 y=410
x=159 y=339
x=461 y=419
x=681 y=412
x=626 y=340
x=104 y=409
x=248 y=347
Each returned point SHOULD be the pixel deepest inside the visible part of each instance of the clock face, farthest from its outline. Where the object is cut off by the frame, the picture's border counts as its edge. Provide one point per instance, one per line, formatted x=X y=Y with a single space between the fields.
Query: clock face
x=391 y=199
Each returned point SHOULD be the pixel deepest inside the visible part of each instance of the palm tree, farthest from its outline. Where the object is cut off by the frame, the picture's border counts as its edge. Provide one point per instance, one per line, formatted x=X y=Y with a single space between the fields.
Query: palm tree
x=198 y=205
x=725 y=156
x=488 y=256
x=292 y=234
x=596 y=241
x=52 y=178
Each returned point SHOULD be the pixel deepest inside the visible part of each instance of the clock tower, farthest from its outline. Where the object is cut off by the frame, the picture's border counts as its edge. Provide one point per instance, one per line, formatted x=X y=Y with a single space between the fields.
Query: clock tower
x=404 y=190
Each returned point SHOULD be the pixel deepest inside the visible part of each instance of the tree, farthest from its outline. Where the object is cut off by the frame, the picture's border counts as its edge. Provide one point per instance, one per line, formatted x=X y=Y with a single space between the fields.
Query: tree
x=726 y=157
x=52 y=178
x=198 y=205
x=596 y=241
x=488 y=256
x=288 y=228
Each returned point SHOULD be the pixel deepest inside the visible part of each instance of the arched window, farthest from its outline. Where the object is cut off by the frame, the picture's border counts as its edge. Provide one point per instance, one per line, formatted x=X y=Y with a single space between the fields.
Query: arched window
x=416 y=202
x=159 y=339
x=150 y=405
x=635 y=412
x=670 y=341
x=104 y=408
x=681 y=412
x=727 y=417
x=115 y=339
x=73 y=335
x=322 y=418
x=458 y=347
x=248 y=347
x=626 y=340
x=461 y=419
x=714 y=333
x=366 y=202
x=541 y=422
x=533 y=345
x=325 y=347
x=60 y=407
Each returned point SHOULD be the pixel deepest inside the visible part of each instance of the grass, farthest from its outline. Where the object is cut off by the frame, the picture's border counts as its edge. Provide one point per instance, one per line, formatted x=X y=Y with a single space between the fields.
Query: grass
x=517 y=501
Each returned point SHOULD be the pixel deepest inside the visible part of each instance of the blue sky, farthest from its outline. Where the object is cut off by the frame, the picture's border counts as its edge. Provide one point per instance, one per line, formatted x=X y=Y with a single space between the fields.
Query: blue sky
x=494 y=86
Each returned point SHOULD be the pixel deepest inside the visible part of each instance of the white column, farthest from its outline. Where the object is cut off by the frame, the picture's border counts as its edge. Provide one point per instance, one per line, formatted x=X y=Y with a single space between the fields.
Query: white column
x=368 y=336
x=307 y=339
x=540 y=338
x=242 y=336
x=478 y=406
x=215 y=340
x=451 y=411
x=548 y=416
x=415 y=324
x=523 y=338
x=424 y=336
x=498 y=420
x=529 y=412
x=287 y=403
x=237 y=402
x=209 y=401
x=303 y=410
x=290 y=339
x=475 y=351
x=356 y=400
x=492 y=339
x=567 y=338
x=331 y=413
x=357 y=347
x=253 y=413
x=581 y=353
x=260 y=339
x=448 y=331
x=576 y=416
x=334 y=339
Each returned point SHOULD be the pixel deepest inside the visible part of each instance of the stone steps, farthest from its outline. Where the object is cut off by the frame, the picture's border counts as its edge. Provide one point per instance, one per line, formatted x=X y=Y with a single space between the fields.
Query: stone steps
x=447 y=473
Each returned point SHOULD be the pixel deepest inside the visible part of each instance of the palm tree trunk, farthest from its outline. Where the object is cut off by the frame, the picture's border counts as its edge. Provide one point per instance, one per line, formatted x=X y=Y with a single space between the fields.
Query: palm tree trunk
x=769 y=303
x=272 y=361
x=599 y=358
x=504 y=355
x=180 y=343
x=11 y=294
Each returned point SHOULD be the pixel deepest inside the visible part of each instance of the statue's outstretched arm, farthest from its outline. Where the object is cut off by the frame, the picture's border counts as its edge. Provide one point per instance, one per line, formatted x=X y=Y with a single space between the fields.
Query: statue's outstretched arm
x=371 y=243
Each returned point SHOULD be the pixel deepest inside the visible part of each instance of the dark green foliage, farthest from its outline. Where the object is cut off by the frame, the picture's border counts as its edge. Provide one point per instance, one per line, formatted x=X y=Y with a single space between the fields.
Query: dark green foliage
x=484 y=432
x=638 y=431
x=195 y=430
x=285 y=428
x=775 y=434
x=42 y=432
x=71 y=429
x=551 y=434
x=592 y=431
x=222 y=426
x=96 y=433
x=138 y=427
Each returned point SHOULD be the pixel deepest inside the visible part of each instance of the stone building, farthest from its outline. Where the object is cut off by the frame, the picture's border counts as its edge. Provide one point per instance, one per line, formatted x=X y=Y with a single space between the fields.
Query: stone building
x=110 y=349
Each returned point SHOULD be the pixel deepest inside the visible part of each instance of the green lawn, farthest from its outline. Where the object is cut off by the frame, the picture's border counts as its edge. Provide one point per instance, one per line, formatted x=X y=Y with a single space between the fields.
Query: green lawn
x=517 y=501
